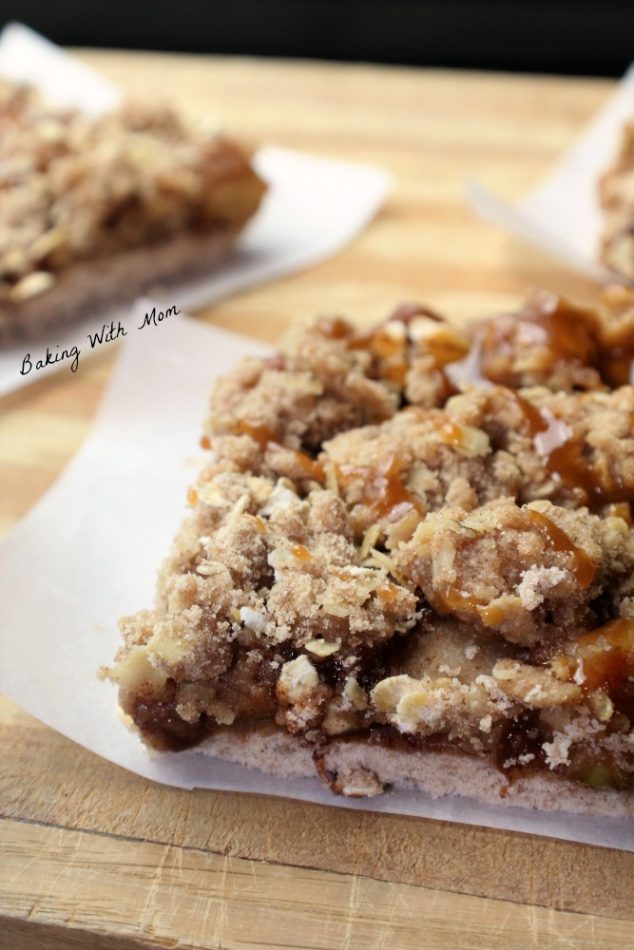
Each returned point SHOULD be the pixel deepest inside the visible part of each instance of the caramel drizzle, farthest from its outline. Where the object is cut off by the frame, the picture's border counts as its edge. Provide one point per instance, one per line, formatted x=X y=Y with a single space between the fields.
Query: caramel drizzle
x=334 y=328
x=389 y=352
x=265 y=436
x=451 y=433
x=584 y=569
x=393 y=352
x=259 y=433
x=563 y=455
x=603 y=658
x=568 y=464
x=388 y=593
x=314 y=469
x=617 y=364
x=450 y=600
x=383 y=487
x=566 y=333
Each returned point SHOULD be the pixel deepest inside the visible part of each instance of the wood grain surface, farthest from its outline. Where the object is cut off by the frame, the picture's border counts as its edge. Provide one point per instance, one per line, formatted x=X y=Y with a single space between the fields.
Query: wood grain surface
x=91 y=856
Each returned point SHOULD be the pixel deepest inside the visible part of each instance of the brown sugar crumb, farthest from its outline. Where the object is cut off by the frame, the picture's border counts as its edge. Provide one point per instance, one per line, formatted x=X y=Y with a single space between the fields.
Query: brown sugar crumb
x=381 y=552
x=526 y=573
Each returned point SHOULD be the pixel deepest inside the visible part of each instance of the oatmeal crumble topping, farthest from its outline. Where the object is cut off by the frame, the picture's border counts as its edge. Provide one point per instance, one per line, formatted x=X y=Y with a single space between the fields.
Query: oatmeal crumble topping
x=416 y=536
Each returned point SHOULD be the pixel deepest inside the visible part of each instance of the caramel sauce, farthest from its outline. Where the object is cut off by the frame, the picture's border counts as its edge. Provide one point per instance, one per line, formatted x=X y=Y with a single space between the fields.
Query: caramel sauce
x=451 y=433
x=492 y=615
x=261 y=434
x=571 y=332
x=311 y=467
x=535 y=422
x=333 y=327
x=567 y=462
x=445 y=348
x=301 y=553
x=564 y=458
x=388 y=350
x=384 y=489
x=265 y=436
x=380 y=343
x=392 y=351
x=563 y=332
x=205 y=442
x=469 y=369
x=617 y=364
x=192 y=497
x=584 y=569
x=388 y=593
x=395 y=372
x=450 y=600
x=560 y=333
x=621 y=509
x=604 y=658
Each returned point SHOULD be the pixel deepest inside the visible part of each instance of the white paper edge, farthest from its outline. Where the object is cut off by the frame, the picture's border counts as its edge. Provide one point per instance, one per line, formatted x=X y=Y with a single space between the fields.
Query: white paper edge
x=525 y=219
x=512 y=219
x=200 y=770
x=28 y=57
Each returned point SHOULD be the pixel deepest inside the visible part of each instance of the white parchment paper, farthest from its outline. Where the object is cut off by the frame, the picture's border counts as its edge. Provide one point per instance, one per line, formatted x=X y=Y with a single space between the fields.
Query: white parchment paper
x=314 y=207
x=90 y=550
x=562 y=215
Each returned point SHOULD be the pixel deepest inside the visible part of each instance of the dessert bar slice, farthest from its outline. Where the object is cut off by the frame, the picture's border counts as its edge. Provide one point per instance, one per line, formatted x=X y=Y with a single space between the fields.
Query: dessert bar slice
x=91 y=204
x=616 y=196
x=410 y=559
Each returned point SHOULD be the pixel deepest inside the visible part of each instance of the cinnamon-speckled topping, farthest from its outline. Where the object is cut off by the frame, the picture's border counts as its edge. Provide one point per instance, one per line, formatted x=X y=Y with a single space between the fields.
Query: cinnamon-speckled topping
x=413 y=534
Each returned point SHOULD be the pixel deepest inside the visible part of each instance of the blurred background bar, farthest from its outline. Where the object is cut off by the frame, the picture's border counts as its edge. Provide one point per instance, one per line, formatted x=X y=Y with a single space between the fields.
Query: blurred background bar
x=585 y=37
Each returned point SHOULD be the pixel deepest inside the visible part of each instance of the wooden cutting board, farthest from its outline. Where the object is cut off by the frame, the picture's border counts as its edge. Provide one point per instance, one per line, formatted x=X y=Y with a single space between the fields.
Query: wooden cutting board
x=93 y=857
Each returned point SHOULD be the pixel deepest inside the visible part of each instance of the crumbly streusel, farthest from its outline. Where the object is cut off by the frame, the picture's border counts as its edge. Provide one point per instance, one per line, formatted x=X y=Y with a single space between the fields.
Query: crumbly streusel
x=415 y=535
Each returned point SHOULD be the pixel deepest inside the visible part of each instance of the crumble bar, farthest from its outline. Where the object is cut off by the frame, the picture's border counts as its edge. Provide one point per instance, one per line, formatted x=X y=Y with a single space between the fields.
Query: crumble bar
x=616 y=197
x=135 y=195
x=409 y=544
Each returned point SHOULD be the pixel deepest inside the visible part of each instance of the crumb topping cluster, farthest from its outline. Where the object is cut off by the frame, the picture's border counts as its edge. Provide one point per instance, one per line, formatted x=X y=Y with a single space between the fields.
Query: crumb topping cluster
x=76 y=188
x=414 y=535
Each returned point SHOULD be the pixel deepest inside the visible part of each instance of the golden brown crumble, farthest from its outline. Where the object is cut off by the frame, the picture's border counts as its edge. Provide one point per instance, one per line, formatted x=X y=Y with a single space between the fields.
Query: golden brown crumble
x=414 y=534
